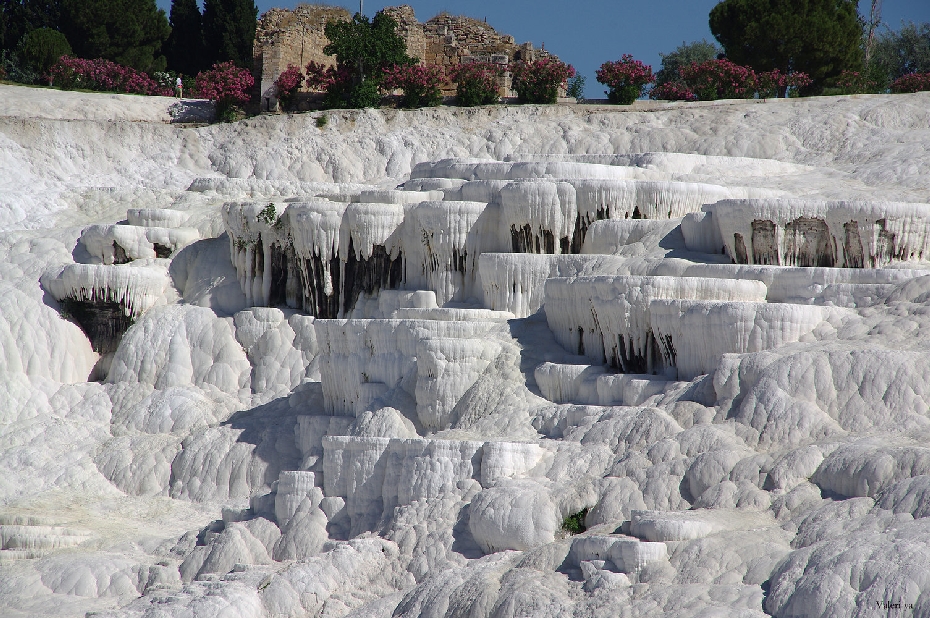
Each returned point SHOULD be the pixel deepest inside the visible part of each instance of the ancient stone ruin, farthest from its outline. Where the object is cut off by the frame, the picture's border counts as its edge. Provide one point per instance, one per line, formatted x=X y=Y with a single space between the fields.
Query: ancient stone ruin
x=296 y=37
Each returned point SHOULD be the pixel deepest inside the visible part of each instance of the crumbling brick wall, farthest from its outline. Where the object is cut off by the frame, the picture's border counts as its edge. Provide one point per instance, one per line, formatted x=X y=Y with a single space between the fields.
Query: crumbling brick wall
x=284 y=37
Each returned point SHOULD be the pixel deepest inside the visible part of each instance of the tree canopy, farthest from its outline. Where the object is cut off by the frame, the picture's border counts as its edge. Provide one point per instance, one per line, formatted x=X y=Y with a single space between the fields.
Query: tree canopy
x=819 y=37
x=363 y=49
x=184 y=49
x=896 y=54
x=365 y=46
x=42 y=47
x=229 y=30
x=128 y=32
x=19 y=17
x=683 y=56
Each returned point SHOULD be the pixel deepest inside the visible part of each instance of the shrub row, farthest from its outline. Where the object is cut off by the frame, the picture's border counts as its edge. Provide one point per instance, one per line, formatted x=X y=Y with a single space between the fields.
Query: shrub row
x=225 y=84
x=914 y=82
x=71 y=73
x=628 y=78
x=476 y=83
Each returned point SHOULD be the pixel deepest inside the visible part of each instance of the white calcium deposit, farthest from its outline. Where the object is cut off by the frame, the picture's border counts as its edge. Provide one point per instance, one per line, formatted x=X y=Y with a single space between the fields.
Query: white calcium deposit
x=392 y=366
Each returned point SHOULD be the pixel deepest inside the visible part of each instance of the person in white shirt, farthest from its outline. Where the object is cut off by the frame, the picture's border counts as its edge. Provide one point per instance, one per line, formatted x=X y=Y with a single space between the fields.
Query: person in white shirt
x=179 y=86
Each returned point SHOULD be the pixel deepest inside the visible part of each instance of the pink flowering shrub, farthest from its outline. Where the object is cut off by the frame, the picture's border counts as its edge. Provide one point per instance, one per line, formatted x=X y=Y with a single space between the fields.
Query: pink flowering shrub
x=227 y=85
x=719 y=79
x=319 y=77
x=771 y=84
x=421 y=84
x=672 y=91
x=477 y=83
x=334 y=81
x=854 y=82
x=626 y=79
x=70 y=73
x=539 y=81
x=913 y=82
x=288 y=85
x=722 y=79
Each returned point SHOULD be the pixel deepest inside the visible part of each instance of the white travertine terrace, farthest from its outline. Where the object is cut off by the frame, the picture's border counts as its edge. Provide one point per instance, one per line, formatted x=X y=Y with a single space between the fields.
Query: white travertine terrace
x=407 y=353
x=693 y=335
x=848 y=234
x=156 y=217
x=610 y=319
x=136 y=287
x=107 y=242
x=442 y=244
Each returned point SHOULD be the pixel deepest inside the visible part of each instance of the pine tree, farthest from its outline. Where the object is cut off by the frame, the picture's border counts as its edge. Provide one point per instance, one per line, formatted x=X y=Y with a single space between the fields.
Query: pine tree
x=19 y=17
x=185 y=50
x=819 y=37
x=229 y=30
x=129 y=32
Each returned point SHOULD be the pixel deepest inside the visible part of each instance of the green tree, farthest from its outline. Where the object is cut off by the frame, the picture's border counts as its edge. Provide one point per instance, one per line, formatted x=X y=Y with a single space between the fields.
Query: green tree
x=819 y=37
x=184 y=49
x=363 y=49
x=128 y=32
x=683 y=56
x=229 y=31
x=896 y=54
x=42 y=47
x=19 y=17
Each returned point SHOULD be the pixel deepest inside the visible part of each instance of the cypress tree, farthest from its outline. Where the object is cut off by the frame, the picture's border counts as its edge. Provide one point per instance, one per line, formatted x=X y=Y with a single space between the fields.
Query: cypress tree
x=819 y=37
x=229 y=30
x=129 y=32
x=184 y=49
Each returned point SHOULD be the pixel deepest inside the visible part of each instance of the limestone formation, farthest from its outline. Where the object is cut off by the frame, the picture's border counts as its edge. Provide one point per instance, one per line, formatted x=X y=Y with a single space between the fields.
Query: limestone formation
x=422 y=363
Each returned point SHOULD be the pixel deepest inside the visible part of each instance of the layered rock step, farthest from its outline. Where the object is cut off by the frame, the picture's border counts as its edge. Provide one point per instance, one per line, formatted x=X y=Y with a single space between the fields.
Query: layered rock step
x=120 y=244
x=610 y=319
x=799 y=232
x=106 y=300
x=433 y=361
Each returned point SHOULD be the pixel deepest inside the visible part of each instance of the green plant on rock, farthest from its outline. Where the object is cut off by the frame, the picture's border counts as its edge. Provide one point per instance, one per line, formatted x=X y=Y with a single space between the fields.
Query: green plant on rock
x=268 y=215
x=576 y=87
x=574 y=523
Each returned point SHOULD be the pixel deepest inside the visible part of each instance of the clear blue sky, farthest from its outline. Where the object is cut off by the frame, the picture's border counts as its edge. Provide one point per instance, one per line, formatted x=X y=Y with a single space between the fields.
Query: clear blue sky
x=587 y=33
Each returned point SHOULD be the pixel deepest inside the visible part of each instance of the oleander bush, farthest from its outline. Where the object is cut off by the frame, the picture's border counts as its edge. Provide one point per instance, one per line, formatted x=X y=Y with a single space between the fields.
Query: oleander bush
x=672 y=91
x=771 y=84
x=539 y=81
x=420 y=84
x=476 y=83
x=719 y=79
x=228 y=86
x=626 y=79
x=914 y=82
x=857 y=82
x=71 y=73
x=319 y=77
x=288 y=85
